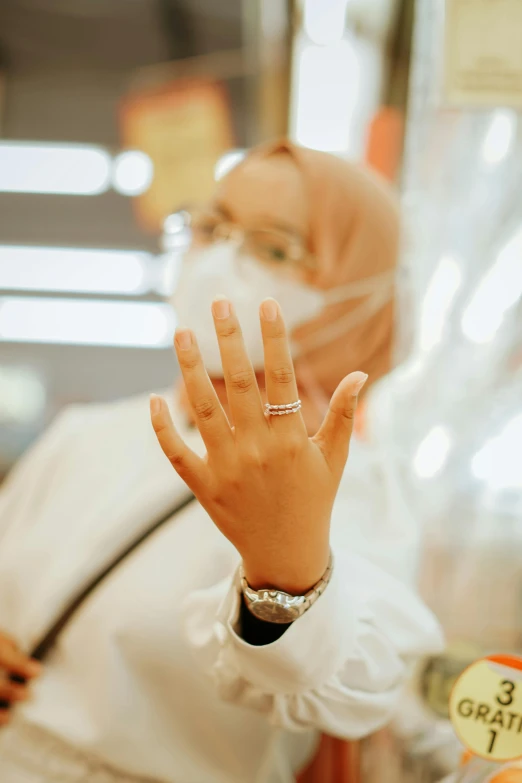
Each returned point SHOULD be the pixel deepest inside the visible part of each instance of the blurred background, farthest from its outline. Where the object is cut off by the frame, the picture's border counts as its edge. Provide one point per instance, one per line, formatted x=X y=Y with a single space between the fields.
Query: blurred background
x=115 y=113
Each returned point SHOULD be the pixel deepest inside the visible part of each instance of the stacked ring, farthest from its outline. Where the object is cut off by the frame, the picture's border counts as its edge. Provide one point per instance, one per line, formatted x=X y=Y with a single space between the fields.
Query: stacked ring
x=280 y=410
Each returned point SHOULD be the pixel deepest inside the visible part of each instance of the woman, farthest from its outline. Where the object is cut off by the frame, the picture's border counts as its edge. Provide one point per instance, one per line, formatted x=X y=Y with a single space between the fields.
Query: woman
x=168 y=673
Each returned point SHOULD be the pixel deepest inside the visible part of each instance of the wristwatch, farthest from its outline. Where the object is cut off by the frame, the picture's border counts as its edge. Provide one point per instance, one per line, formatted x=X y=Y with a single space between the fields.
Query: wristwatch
x=275 y=606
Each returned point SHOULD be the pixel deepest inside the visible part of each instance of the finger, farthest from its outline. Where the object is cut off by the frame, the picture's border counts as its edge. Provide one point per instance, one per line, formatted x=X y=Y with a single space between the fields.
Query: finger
x=188 y=465
x=19 y=682
x=281 y=385
x=16 y=662
x=11 y=691
x=244 y=399
x=333 y=437
x=210 y=417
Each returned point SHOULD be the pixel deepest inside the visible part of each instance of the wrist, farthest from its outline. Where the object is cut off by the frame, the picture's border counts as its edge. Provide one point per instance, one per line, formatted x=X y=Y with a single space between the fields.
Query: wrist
x=283 y=606
x=291 y=574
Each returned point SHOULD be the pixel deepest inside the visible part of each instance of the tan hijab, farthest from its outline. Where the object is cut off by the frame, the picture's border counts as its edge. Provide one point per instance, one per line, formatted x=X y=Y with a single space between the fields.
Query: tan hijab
x=354 y=235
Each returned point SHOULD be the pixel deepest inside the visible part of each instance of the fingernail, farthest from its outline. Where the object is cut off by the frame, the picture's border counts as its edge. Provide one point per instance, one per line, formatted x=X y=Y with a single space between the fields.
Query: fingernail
x=183 y=339
x=359 y=379
x=155 y=403
x=270 y=309
x=34 y=668
x=221 y=307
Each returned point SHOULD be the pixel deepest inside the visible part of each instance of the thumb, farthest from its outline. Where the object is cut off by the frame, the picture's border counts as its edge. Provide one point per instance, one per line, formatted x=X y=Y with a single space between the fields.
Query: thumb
x=335 y=432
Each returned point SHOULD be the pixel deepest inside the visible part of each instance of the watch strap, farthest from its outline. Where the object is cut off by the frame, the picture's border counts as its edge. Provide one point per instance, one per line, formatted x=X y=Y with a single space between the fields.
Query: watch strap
x=296 y=605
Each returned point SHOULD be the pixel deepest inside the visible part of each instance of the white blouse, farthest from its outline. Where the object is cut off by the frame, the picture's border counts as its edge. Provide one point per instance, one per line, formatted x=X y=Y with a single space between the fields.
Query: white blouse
x=151 y=676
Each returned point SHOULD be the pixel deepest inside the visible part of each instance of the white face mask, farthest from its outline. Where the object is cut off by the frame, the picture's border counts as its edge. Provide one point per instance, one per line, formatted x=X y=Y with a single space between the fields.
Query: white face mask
x=222 y=269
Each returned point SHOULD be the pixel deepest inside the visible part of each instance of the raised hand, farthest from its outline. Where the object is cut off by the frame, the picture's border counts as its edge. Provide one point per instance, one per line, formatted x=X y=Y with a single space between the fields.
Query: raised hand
x=15 y=669
x=267 y=486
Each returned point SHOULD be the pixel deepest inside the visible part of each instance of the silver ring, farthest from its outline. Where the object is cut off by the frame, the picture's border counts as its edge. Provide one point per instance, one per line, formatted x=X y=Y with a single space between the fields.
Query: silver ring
x=281 y=410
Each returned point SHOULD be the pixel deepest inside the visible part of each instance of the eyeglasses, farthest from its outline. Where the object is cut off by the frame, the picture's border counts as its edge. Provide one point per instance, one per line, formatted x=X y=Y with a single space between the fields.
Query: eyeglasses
x=277 y=248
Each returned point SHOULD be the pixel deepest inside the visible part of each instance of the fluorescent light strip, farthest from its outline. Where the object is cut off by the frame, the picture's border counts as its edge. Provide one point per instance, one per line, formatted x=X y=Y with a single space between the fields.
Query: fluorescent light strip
x=327 y=92
x=86 y=322
x=73 y=169
x=76 y=270
x=324 y=20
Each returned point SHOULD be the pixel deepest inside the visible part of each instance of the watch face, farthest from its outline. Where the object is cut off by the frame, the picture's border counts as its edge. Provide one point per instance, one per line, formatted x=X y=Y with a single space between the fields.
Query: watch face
x=272 y=612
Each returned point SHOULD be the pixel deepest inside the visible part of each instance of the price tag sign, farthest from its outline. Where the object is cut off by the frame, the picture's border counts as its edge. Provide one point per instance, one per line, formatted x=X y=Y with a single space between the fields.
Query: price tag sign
x=483 y=53
x=486 y=707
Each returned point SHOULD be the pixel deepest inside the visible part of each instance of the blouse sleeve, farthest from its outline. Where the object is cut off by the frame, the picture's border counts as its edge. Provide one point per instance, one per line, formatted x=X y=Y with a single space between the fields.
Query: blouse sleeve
x=338 y=668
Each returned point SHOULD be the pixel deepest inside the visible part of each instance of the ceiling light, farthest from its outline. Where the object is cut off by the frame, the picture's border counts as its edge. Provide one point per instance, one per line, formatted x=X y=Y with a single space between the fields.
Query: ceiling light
x=326 y=95
x=86 y=322
x=72 y=169
x=132 y=172
x=73 y=270
x=324 y=20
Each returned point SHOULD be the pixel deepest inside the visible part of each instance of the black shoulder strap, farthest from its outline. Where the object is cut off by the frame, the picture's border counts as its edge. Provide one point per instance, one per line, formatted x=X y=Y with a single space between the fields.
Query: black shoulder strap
x=46 y=643
x=43 y=647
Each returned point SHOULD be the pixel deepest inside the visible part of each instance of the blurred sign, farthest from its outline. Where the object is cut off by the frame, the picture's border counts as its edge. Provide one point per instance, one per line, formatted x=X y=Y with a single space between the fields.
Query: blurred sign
x=184 y=127
x=439 y=673
x=483 y=53
x=486 y=707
